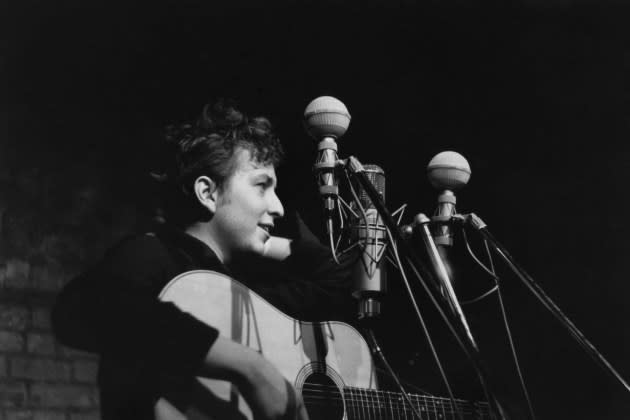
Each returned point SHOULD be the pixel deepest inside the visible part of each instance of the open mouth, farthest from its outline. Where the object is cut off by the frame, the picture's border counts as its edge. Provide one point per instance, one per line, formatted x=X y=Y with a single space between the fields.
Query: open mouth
x=267 y=228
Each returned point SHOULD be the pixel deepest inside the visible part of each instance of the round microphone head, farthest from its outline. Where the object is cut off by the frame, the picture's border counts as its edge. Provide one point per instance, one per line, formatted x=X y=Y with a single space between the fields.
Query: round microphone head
x=326 y=117
x=448 y=171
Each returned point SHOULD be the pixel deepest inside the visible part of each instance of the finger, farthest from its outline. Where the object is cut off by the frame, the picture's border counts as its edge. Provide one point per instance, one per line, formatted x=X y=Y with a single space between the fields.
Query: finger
x=302 y=413
x=292 y=407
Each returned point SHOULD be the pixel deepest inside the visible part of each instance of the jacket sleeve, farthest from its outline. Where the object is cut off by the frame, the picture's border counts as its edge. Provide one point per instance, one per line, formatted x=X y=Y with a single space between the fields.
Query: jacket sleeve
x=113 y=309
x=310 y=285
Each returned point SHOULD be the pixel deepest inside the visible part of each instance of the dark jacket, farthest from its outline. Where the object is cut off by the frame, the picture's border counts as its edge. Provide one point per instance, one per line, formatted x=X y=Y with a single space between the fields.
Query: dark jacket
x=150 y=348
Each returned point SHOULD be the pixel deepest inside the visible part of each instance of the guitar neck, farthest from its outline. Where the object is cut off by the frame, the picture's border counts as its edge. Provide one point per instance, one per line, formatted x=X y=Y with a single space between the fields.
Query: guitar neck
x=375 y=404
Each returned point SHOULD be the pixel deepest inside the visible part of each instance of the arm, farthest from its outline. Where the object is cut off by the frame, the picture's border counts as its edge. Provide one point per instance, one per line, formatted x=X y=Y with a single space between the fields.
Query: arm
x=113 y=309
x=266 y=391
x=305 y=252
x=307 y=283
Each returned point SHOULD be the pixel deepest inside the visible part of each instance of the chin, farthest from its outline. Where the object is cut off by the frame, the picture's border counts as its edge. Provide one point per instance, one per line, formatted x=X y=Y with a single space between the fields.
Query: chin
x=258 y=248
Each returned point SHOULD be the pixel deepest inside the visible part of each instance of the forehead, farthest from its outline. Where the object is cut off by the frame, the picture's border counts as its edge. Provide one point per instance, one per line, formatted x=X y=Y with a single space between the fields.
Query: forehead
x=244 y=165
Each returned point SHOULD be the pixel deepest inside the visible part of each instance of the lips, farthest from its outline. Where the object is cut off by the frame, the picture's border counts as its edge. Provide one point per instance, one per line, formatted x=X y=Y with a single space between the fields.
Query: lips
x=266 y=227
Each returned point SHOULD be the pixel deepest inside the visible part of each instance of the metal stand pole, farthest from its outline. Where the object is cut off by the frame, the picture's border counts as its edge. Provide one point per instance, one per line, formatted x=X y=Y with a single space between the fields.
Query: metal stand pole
x=440 y=270
x=457 y=328
x=476 y=222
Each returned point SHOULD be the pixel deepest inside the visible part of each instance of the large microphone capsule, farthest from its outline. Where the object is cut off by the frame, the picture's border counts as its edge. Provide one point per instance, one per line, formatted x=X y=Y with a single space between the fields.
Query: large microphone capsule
x=326 y=119
x=369 y=231
x=447 y=171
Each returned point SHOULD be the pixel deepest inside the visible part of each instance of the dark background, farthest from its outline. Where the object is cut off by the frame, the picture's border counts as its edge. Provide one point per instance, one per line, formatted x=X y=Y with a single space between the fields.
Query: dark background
x=533 y=93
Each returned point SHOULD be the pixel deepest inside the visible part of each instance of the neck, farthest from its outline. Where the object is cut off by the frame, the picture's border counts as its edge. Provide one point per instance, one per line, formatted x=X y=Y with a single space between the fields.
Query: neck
x=201 y=232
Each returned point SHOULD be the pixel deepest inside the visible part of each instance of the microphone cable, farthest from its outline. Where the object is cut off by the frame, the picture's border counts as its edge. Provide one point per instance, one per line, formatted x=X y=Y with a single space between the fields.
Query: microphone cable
x=418 y=313
x=491 y=271
x=423 y=324
x=376 y=351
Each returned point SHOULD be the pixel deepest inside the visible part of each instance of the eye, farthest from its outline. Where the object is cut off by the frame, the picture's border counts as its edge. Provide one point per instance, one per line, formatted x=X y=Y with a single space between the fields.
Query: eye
x=261 y=187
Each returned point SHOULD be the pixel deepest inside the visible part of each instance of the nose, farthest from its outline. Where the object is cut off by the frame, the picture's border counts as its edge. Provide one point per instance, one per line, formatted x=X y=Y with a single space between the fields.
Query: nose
x=276 y=209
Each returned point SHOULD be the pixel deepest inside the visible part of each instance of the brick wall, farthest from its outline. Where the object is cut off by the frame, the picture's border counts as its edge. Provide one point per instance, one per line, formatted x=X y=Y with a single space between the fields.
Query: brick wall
x=42 y=246
x=39 y=378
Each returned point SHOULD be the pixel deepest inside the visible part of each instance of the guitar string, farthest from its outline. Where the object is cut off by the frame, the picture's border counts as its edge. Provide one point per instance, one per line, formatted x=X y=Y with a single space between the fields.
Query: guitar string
x=380 y=412
x=396 y=396
x=367 y=403
x=352 y=405
x=363 y=402
x=397 y=406
x=406 y=410
x=421 y=398
x=383 y=409
x=370 y=403
x=317 y=394
x=325 y=402
x=433 y=408
x=388 y=412
x=396 y=402
x=336 y=389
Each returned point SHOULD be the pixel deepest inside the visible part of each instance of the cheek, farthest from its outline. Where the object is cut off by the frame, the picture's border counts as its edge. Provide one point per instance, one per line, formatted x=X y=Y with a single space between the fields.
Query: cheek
x=241 y=219
x=250 y=205
x=243 y=210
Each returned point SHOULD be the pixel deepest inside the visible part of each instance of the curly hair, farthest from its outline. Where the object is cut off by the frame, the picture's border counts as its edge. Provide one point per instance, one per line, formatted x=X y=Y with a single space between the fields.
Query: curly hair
x=207 y=147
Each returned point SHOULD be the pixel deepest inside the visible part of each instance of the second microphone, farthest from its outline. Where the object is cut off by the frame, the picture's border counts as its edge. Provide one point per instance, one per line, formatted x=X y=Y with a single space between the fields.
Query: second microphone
x=369 y=231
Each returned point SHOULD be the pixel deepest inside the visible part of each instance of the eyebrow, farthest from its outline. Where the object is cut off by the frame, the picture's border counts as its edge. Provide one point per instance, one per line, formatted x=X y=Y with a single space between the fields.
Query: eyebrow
x=268 y=179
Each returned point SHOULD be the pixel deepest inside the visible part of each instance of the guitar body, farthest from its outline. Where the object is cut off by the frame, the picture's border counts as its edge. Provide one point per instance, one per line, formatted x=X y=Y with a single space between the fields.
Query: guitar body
x=319 y=359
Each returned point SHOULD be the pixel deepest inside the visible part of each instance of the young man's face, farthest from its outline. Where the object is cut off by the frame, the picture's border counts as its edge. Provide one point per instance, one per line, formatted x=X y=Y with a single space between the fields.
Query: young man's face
x=246 y=208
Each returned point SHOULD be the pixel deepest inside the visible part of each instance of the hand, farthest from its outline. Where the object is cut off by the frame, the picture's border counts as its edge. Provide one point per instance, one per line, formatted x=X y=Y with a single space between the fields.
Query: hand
x=270 y=396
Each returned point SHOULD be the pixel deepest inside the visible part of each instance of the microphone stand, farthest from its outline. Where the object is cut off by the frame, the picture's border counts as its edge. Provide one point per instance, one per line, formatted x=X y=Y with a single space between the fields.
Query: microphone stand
x=459 y=330
x=440 y=270
x=478 y=224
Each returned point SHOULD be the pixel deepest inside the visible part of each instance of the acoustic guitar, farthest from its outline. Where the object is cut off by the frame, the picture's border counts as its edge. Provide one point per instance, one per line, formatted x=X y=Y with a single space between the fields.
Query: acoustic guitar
x=329 y=363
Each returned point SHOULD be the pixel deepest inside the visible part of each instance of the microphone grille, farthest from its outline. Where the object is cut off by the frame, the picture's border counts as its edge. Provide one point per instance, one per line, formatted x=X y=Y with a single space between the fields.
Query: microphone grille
x=326 y=117
x=376 y=175
x=448 y=170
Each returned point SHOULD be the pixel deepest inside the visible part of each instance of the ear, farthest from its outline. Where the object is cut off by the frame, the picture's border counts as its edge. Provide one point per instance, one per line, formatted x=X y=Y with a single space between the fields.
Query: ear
x=206 y=191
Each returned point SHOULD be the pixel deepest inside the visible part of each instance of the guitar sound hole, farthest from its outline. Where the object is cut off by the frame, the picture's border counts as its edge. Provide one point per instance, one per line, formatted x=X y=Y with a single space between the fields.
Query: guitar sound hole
x=322 y=398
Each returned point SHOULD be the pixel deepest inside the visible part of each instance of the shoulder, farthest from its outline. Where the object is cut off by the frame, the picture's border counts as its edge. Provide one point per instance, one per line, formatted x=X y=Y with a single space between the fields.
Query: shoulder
x=137 y=256
x=141 y=245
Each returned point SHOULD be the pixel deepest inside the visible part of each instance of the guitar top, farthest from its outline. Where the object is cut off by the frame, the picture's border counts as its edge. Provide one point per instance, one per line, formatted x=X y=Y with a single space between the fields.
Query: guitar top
x=328 y=362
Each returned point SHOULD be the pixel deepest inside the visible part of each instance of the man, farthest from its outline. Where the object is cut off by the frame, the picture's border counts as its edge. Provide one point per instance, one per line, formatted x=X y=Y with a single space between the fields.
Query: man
x=222 y=207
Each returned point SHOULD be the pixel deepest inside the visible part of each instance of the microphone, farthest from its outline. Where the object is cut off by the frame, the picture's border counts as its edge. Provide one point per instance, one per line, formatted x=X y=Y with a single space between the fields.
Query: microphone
x=326 y=119
x=369 y=275
x=447 y=171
